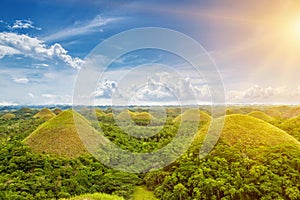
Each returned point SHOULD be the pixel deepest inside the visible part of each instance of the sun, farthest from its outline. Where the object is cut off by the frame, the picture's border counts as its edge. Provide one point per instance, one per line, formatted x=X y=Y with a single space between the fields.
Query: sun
x=297 y=28
x=293 y=30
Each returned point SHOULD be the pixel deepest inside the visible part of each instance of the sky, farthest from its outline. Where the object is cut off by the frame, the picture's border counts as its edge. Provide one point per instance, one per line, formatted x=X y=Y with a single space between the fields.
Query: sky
x=254 y=45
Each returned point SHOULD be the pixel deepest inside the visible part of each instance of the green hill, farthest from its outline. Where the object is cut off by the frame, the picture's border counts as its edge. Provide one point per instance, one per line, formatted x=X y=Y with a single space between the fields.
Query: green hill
x=248 y=133
x=25 y=110
x=261 y=115
x=125 y=115
x=99 y=112
x=192 y=115
x=59 y=135
x=8 y=116
x=45 y=113
x=292 y=127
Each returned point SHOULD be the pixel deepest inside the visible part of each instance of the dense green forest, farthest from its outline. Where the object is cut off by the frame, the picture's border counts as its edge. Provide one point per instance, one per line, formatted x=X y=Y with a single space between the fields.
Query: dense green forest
x=256 y=157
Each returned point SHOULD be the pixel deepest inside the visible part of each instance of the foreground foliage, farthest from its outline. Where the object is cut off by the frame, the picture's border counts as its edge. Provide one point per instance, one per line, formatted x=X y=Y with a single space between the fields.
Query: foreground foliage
x=25 y=175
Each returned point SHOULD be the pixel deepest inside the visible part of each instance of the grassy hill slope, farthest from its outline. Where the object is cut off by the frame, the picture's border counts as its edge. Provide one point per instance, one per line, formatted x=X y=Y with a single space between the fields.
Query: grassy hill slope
x=292 y=127
x=261 y=115
x=45 y=113
x=8 y=116
x=192 y=115
x=247 y=133
x=59 y=135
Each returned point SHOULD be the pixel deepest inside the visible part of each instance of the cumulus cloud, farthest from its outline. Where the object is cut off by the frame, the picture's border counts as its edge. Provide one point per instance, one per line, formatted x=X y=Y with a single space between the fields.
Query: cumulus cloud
x=24 y=24
x=105 y=89
x=21 y=80
x=153 y=91
x=20 y=44
x=164 y=87
x=260 y=94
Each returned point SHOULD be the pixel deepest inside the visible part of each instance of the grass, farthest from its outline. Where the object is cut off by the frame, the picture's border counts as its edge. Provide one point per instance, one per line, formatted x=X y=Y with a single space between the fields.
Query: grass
x=96 y=196
x=59 y=135
x=142 y=193
x=45 y=113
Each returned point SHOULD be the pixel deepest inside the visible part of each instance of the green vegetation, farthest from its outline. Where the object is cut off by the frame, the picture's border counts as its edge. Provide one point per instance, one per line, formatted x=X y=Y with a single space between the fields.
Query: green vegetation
x=256 y=157
x=26 y=175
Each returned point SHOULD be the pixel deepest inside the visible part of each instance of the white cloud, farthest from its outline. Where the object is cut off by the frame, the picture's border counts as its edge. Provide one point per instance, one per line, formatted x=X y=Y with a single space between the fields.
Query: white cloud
x=21 y=80
x=260 y=94
x=153 y=91
x=12 y=44
x=24 y=24
x=49 y=96
x=105 y=89
x=31 y=95
x=6 y=50
x=7 y=103
x=41 y=65
x=81 y=28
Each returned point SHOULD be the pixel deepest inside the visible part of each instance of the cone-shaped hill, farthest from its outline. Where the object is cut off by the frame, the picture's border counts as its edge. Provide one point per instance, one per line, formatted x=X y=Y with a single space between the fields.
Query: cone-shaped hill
x=59 y=135
x=192 y=115
x=261 y=115
x=247 y=133
x=45 y=113
x=8 y=116
x=127 y=114
x=292 y=127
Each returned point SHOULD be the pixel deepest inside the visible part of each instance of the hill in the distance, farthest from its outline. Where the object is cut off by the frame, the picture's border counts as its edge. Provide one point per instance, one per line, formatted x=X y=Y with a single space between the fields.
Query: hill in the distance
x=292 y=127
x=292 y=112
x=57 y=111
x=59 y=135
x=45 y=114
x=8 y=116
x=192 y=115
x=261 y=115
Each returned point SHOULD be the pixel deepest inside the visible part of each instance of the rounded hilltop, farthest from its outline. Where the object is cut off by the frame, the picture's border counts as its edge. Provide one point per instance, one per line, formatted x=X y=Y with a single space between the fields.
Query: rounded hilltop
x=45 y=113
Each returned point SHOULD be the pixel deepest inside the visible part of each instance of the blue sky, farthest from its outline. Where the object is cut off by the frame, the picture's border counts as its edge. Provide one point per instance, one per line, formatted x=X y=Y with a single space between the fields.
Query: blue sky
x=43 y=46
